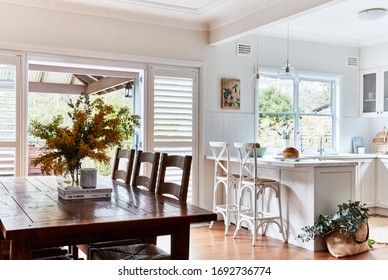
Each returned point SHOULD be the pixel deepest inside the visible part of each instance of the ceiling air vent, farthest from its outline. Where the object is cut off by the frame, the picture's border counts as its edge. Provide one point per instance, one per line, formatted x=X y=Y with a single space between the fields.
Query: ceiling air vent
x=352 y=61
x=244 y=49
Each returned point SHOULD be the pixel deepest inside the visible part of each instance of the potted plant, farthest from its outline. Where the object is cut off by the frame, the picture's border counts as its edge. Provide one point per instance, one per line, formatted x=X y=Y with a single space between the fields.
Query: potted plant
x=345 y=232
x=285 y=134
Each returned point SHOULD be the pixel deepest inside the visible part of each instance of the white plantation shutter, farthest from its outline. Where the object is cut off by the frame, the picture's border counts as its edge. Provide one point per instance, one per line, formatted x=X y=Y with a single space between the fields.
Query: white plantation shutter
x=8 y=115
x=173 y=114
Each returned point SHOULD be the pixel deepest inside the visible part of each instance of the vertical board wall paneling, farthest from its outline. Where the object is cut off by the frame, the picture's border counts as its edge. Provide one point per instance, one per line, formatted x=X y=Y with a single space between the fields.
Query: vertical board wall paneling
x=231 y=127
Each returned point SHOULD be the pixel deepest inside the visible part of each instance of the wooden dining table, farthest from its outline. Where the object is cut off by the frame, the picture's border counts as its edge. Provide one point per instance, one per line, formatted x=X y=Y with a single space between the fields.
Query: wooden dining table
x=32 y=215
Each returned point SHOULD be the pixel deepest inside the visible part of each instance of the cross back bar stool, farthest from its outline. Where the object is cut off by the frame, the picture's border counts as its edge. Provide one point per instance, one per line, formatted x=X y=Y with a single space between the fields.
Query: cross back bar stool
x=224 y=179
x=261 y=191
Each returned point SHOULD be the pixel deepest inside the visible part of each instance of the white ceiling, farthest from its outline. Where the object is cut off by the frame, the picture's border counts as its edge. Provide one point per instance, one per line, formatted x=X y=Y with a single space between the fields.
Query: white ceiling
x=193 y=14
x=334 y=23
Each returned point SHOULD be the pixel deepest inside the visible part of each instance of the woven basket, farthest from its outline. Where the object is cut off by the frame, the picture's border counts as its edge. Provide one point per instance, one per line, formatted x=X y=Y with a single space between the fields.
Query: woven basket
x=347 y=244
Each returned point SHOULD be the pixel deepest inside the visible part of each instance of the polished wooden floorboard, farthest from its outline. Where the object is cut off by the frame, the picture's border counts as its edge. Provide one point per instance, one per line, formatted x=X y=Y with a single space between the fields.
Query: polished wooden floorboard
x=212 y=244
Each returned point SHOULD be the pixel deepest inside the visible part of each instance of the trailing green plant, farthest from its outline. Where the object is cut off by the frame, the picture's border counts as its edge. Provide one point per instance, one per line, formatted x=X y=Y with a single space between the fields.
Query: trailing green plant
x=347 y=220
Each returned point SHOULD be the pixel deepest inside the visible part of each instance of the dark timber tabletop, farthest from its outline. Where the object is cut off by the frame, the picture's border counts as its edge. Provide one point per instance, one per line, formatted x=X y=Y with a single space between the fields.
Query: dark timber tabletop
x=32 y=215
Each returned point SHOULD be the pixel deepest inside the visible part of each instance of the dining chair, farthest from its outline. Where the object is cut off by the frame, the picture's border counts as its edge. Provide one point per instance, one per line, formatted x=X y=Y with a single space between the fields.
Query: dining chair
x=174 y=176
x=123 y=165
x=51 y=253
x=145 y=170
x=122 y=171
x=261 y=190
x=224 y=181
x=173 y=181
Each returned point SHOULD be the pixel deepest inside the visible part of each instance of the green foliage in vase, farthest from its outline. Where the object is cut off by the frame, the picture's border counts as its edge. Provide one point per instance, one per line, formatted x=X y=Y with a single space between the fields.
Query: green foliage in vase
x=347 y=220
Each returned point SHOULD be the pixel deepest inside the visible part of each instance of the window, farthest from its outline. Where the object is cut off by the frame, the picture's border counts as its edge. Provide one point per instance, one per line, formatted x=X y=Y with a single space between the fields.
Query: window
x=303 y=111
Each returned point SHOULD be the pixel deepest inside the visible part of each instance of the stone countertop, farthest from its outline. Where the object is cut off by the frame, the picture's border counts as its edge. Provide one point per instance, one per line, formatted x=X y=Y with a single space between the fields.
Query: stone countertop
x=302 y=162
x=340 y=156
x=346 y=156
x=314 y=160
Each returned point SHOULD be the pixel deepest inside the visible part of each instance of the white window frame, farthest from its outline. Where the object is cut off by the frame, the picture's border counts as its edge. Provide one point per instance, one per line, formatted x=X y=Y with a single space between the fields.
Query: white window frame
x=335 y=103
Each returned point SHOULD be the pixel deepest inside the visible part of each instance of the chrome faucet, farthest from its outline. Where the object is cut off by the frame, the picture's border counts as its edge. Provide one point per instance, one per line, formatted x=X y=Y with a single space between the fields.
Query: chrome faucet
x=301 y=145
x=321 y=149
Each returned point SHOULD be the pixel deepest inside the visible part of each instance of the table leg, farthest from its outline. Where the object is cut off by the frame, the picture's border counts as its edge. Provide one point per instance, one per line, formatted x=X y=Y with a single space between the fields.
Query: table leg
x=4 y=249
x=73 y=249
x=20 y=250
x=180 y=242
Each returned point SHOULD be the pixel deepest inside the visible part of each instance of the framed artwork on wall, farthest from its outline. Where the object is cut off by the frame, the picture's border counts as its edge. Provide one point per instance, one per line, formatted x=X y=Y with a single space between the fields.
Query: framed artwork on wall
x=230 y=93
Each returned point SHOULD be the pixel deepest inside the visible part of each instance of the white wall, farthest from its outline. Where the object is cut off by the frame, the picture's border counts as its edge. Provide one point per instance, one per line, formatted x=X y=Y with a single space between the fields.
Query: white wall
x=46 y=30
x=223 y=62
x=374 y=56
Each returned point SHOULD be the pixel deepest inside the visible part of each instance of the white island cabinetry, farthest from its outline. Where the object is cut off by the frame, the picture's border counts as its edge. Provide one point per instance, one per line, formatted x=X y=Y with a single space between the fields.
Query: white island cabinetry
x=309 y=188
x=365 y=190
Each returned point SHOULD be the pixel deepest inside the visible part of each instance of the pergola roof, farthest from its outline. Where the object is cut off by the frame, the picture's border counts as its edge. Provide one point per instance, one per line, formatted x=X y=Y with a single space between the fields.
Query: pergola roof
x=74 y=80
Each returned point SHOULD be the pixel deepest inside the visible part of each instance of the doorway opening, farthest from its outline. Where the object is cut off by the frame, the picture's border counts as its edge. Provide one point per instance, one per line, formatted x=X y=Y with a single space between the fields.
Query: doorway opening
x=53 y=86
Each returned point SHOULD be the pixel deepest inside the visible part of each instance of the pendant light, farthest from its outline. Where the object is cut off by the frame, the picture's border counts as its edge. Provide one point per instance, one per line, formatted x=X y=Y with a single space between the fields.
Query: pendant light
x=287 y=71
x=254 y=78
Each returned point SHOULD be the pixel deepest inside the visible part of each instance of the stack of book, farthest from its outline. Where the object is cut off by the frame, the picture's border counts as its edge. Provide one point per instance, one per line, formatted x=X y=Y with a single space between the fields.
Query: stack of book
x=83 y=193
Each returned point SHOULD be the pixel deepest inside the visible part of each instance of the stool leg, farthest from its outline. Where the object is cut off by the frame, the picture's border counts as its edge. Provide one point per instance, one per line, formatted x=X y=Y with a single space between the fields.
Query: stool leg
x=255 y=226
x=227 y=210
x=238 y=213
x=281 y=225
x=214 y=201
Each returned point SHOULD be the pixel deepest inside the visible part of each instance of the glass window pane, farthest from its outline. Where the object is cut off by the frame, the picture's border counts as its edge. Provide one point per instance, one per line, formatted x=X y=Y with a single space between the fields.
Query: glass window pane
x=276 y=95
x=315 y=97
x=273 y=127
x=312 y=128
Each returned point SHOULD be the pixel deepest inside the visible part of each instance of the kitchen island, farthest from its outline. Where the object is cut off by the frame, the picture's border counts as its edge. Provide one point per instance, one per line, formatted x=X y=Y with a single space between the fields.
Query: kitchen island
x=309 y=187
